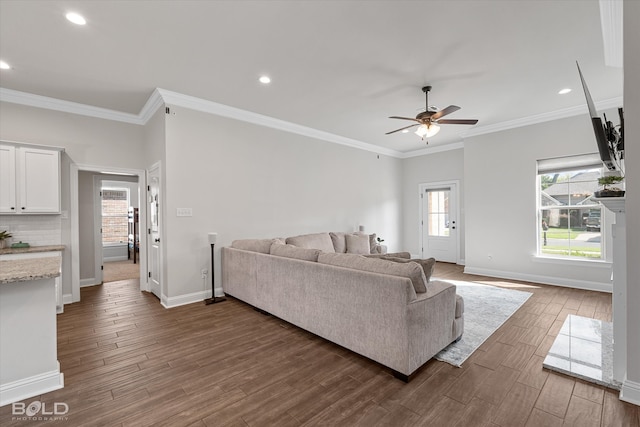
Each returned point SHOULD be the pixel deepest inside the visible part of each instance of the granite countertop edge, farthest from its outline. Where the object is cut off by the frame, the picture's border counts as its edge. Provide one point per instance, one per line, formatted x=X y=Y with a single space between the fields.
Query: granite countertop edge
x=32 y=249
x=24 y=270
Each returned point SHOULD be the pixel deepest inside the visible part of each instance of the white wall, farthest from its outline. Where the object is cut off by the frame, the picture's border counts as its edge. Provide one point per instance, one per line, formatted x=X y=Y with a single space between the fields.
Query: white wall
x=631 y=389
x=247 y=181
x=500 y=201
x=443 y=166
x=86 y=140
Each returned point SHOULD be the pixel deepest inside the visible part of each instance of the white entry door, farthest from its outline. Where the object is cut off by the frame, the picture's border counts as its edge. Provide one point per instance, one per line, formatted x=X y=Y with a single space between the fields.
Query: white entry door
x=155 y=240
x=439 y=222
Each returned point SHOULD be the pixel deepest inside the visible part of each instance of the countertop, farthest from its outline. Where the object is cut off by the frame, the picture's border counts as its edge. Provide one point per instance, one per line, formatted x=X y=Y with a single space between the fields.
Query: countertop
x=22 y=270
x=32 y=249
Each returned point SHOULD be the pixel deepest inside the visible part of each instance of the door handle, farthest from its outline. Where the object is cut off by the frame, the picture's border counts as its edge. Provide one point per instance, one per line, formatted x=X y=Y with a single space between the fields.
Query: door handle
x=157 y=240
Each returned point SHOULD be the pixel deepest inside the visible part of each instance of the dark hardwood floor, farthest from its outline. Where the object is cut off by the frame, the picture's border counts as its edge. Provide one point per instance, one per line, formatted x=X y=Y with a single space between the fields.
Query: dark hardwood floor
x=128 y=361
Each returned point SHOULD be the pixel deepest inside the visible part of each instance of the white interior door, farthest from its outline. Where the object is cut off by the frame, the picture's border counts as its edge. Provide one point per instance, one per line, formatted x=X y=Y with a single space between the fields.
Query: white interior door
x=155 y=241
x=439 y=222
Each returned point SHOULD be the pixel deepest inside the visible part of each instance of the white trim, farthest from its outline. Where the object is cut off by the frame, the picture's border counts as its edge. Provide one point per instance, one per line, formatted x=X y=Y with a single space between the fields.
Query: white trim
x=75 y=227
x=160 y=97
x=541 y=118
x=205 y=106
x=39 y=101
x=89 y=282
x=439 y=184
x=546 y=280
x=630 y=391
x=97 y=228
x=31 y=386
x=171 y=302
x=75 y=234
x=115 y=258
x=67 y=298
x=573 y=262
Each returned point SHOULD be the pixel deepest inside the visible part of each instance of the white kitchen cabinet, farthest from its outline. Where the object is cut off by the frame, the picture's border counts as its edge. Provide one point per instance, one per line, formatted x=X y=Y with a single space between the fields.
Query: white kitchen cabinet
x=30 y=180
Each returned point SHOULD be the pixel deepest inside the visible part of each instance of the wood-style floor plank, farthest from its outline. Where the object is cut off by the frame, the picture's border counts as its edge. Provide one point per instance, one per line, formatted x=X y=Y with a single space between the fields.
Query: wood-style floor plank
x=128 y=361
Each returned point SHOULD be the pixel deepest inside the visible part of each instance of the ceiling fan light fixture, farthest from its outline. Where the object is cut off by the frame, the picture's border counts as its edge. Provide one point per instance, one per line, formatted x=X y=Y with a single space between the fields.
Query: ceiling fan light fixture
x=76 y=18
x=427 y=131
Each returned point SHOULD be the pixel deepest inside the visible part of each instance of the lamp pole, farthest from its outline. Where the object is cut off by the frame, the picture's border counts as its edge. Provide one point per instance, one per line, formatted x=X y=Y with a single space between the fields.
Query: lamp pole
x=212 y=240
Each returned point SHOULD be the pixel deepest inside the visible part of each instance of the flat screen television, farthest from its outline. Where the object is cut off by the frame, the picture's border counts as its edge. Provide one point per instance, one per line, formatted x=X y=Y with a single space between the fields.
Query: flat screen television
x=610 y=140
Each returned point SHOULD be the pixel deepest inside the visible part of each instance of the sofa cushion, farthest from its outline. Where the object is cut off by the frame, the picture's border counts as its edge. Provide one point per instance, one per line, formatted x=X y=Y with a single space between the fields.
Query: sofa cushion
x=406 y=255
x=357 y=244
x=427 y=264
x=290 y=251
x=253 y=245
x=375 y=265
x=339 y=241
x=320 y=241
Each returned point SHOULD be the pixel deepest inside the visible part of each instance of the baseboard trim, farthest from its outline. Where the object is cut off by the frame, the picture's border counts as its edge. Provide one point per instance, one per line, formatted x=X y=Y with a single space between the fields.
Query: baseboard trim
x=115 y=258
x=547 y=280
x=170 y=302
x=31 y=386
x=88 y=282
x=630 y=392
x=67 y=299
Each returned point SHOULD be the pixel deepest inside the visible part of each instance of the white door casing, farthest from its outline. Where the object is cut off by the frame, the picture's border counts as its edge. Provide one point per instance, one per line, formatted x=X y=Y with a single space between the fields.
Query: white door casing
x=154 y=227
x=439 y=213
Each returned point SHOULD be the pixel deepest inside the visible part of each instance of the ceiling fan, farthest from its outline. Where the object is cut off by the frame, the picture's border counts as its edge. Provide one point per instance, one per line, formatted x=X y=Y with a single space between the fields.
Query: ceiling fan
x=429 y=120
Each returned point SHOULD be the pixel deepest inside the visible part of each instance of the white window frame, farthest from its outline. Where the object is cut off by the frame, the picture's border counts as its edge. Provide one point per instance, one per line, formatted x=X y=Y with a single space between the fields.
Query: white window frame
x=563 y=165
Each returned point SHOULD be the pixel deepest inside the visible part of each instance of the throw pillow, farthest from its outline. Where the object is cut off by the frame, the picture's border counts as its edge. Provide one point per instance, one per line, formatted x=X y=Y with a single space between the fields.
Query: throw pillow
x=320 y=241
x=357 y=244
x=290 y=251
x=411 y=270
x=427 y=264
x=339 y=241
x=373 y=244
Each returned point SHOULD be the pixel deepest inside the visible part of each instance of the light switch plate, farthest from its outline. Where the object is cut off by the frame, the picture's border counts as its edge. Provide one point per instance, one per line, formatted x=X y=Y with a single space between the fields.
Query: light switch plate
x=184 y=212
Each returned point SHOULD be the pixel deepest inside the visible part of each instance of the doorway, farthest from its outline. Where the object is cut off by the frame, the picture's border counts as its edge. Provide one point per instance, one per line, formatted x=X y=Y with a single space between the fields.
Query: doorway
x=77 y=254
x=154 y=204
x=439 y=227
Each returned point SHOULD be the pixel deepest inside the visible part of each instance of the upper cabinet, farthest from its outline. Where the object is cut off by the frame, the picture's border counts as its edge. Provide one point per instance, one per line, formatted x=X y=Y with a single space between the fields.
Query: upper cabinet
x=29 y=180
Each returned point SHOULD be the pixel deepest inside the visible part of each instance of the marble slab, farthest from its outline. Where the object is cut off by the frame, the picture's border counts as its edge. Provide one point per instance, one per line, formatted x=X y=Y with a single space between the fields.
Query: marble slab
x=21 y=270
x=584 y=349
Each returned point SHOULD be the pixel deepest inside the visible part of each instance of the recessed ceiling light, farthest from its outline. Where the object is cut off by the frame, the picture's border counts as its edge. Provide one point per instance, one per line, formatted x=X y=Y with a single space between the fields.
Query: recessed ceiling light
x=4 y=66
x=405 y=131
x=76 y=18
x=564 y=91
x=265 y=80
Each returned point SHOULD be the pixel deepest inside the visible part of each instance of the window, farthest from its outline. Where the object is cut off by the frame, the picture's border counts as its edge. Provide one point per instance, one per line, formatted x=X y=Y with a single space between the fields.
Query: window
x=569 y=220
x=115 y=215
x=438 y=211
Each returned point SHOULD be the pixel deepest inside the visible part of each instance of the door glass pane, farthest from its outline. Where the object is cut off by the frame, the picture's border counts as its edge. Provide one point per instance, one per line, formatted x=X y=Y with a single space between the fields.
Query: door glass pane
x=438 y=212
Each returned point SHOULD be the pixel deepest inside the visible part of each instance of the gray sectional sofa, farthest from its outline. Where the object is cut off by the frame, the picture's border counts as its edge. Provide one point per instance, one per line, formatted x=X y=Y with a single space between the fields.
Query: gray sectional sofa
x=382 y=306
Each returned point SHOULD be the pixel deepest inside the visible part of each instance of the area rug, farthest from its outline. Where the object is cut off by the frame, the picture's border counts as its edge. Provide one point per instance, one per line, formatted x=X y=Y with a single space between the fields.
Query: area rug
x=486 y=308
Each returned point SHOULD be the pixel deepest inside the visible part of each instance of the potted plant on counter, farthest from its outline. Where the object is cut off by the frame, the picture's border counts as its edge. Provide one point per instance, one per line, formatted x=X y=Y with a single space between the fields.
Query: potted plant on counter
x=607 y=191
x=4 y=235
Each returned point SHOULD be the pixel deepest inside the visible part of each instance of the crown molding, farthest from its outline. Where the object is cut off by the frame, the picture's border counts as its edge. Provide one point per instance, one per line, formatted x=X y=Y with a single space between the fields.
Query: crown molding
x=205 y=106
x=160 y=97
x=39 y=101
x=541 y=118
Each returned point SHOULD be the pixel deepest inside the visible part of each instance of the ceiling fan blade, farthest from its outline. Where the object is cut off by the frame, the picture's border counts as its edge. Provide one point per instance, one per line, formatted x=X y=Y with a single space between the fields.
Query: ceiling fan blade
x=406 y=127
x=405 y=118
x=450 y=109
x=457 y=122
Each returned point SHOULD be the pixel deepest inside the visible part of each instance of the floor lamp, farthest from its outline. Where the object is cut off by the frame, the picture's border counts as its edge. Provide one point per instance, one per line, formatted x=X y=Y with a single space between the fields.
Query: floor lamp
x=212 y=240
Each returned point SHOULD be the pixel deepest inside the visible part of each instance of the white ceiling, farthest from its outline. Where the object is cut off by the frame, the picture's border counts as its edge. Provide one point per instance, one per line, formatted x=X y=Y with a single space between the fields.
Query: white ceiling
x=340 y=67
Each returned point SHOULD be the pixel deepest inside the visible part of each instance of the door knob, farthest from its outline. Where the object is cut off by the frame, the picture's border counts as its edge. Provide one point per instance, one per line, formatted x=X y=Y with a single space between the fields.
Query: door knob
x=157 y=240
